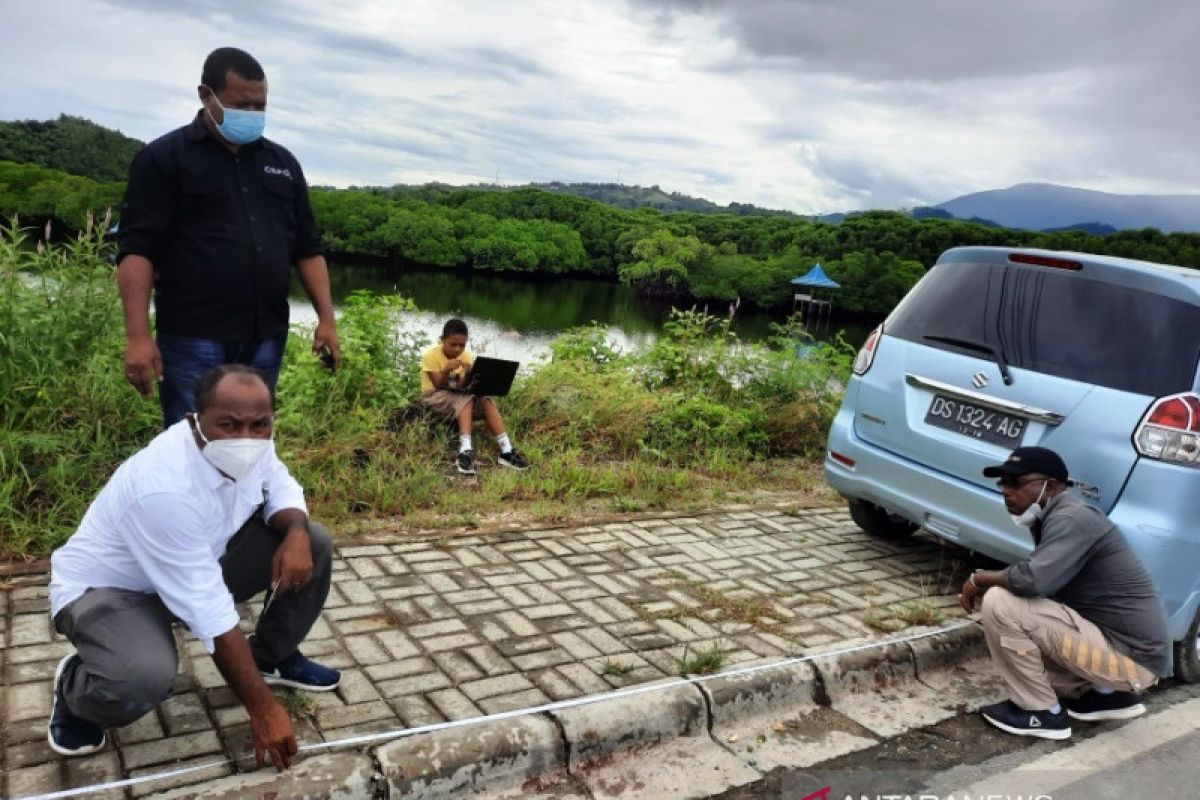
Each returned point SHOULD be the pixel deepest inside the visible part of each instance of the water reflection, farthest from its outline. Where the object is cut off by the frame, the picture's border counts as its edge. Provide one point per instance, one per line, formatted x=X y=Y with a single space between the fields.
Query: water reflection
x=517 y=316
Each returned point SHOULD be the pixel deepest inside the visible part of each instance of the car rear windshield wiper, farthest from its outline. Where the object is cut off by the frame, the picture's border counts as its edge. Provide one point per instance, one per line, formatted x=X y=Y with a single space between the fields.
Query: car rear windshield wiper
x=996 y=353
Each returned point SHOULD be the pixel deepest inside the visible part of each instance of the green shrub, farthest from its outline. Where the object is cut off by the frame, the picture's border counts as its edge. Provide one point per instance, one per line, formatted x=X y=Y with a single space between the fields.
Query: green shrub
x=694 y=427
x=67 y=416
x=694 y=353
x=587 y=344
x=571 y=405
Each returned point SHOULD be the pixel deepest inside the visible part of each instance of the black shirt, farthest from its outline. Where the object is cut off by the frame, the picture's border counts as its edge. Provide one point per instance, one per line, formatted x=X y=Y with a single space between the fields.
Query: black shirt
x=1081 y=560
x=222 y=231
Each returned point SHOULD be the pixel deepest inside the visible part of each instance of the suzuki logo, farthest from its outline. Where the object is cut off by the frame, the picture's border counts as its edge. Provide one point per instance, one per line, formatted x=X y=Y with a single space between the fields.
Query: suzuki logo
x=979 y=380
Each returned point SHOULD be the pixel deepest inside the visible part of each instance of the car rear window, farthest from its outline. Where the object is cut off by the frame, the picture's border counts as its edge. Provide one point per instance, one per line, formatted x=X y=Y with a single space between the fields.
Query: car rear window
x=1059 y=323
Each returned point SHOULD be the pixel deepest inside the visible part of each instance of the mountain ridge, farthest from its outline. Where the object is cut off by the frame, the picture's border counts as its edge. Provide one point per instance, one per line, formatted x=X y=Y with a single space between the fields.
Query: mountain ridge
x=1049 y=206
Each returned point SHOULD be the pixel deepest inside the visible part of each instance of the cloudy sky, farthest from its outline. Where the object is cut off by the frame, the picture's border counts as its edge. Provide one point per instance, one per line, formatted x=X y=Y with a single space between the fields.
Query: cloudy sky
x=809 y=105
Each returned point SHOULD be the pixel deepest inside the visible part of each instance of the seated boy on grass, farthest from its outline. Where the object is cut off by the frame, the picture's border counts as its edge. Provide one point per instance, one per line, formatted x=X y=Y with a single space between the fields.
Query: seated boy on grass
x=445 y=370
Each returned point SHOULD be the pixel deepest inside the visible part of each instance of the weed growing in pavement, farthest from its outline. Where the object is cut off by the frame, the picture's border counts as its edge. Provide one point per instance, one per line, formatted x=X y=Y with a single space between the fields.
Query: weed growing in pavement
x=615 y=668
x=881 y=619
x=702 y=662
x=692 y=422
x=299 y=705
x=906 y=615
x=920 y=613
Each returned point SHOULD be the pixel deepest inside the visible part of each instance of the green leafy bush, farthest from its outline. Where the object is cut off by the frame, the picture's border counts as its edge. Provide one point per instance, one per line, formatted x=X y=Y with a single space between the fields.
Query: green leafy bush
x=587 y=344
x=67 y=416
x=693 y=428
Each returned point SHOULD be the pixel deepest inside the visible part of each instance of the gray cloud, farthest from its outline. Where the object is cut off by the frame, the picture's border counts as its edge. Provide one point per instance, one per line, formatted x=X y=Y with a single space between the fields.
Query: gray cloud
x=810 y=105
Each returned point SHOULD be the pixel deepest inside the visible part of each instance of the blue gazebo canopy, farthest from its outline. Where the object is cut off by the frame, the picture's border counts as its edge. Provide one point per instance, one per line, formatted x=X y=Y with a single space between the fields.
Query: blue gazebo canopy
x=817 y=277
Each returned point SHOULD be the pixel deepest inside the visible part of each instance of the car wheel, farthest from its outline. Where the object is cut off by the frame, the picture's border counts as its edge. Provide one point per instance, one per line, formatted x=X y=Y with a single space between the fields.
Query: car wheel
x=1187 y=653
x=878 y=522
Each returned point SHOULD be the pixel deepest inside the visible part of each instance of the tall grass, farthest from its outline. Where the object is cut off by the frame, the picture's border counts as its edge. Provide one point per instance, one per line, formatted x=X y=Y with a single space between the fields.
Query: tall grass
x=694 y=419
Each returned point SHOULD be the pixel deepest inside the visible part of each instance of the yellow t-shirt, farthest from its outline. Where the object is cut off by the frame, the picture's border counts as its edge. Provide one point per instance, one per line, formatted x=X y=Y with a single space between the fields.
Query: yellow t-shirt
x=435 y=360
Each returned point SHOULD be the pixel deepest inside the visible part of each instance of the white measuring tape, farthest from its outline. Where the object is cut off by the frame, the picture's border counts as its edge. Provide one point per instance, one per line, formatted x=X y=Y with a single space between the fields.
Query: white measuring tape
x=462 y=723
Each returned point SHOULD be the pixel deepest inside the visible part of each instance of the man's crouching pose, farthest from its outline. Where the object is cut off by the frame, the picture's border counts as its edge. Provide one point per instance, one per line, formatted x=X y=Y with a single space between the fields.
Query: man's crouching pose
x=1078 y=618
x=205 y=516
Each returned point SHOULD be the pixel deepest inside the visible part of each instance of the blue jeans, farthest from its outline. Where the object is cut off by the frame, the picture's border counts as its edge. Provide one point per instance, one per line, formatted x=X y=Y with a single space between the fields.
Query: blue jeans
x=186 y=358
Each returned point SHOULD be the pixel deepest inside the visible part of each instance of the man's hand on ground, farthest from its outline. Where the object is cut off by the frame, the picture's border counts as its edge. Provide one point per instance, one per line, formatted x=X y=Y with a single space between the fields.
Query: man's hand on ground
x=143 y=364
x=325 y=335
x=271 y=730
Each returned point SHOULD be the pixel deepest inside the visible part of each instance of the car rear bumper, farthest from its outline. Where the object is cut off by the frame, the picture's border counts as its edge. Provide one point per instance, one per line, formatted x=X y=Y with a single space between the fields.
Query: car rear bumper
x=945 y=505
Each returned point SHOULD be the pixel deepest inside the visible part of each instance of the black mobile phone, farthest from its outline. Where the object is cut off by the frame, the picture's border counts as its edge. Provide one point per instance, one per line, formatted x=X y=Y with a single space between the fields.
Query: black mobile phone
x=327 y=358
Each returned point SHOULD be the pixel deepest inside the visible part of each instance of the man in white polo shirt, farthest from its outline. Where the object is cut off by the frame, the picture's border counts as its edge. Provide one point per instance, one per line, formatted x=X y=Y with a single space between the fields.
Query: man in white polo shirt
x=203 y=517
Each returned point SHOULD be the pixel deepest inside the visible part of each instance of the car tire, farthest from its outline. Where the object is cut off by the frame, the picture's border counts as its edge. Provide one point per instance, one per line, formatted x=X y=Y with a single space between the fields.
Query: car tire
x=1187 y=653
x=878 y=522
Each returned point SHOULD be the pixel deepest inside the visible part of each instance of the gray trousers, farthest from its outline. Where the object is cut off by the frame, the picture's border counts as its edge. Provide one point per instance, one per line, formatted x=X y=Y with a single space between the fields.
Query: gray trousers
x=127 y=658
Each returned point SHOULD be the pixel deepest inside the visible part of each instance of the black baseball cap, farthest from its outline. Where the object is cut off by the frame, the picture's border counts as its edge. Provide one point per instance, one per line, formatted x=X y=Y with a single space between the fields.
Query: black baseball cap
x=1027 y=460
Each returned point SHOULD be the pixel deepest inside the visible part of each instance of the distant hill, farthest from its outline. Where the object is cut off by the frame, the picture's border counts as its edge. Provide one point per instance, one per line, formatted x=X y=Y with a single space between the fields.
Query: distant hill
x=1045 y=206
x=624 y=196
x=70 y=144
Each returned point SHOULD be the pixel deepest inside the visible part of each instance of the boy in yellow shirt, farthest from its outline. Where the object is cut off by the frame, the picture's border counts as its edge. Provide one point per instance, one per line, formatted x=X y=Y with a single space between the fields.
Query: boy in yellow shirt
x=445 y=369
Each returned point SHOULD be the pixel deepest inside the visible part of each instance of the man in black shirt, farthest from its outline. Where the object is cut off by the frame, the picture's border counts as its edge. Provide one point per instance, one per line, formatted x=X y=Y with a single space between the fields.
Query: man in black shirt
x=214 y=219
x=1079 y=618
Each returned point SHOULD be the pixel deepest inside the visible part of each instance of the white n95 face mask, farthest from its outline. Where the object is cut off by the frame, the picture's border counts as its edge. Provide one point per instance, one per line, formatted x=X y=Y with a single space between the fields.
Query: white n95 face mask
x=1032 y=514
x=234 y=457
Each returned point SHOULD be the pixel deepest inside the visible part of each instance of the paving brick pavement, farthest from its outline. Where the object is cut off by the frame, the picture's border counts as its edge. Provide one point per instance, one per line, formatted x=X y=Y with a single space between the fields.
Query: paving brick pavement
x=440 y=629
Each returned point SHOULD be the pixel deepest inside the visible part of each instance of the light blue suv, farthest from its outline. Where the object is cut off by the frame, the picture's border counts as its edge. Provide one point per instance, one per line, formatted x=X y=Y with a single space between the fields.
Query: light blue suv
x=1091 y=356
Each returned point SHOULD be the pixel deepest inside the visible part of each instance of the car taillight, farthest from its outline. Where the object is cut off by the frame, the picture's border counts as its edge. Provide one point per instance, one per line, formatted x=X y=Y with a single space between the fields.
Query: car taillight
x=866 y=356
x=1170 y=431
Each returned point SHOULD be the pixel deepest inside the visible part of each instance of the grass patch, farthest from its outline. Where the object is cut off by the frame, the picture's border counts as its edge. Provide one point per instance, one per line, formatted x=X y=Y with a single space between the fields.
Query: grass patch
x=907 y=615
x=615 y=669
x=918 y=613
x=702 y=662
x=299 y=705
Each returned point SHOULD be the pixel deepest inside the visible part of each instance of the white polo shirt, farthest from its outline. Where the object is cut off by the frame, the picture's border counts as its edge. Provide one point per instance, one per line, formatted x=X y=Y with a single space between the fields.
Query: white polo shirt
x=161 y=524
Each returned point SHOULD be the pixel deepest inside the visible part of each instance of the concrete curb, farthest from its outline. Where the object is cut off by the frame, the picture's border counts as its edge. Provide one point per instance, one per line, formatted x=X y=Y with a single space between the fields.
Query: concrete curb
x=340 y=776
x=687 y=740
x=697 y=739
x=505 y=756
x=650 y=745
x=777 y=718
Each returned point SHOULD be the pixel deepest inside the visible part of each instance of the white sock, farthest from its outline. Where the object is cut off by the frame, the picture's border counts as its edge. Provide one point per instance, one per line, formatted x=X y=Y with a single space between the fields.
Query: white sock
x=1057 y=709
x=464 y=442
x=505 y=444
x=1103 y=689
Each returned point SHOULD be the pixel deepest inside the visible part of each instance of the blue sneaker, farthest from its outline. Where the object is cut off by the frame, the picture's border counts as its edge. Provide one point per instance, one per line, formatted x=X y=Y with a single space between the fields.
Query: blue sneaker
x=68 y=734
x=298 y=672
x=1011 y=718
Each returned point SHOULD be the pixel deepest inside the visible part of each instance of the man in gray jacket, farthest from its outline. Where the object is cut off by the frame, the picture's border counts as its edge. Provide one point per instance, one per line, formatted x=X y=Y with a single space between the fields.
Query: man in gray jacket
x=1078 y=618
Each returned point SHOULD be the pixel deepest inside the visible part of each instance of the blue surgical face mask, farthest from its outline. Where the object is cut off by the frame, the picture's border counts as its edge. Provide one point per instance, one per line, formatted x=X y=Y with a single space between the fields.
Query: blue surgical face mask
x=240 y=127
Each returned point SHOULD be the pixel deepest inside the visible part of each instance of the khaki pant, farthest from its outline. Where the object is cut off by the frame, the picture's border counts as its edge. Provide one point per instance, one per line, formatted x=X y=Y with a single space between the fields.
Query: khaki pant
x=1045 y=650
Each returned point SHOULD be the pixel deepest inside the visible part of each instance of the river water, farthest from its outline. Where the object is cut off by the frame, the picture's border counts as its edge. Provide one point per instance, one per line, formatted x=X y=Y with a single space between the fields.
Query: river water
x=516 y=317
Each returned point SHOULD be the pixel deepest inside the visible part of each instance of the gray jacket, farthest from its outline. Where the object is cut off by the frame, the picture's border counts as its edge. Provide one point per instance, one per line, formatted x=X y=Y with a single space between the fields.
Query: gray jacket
x=1081 y=560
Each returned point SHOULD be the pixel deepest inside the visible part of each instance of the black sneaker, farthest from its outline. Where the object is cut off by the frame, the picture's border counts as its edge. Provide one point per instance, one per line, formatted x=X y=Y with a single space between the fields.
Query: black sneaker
x=1093 y=706
x=298 y=672
x=466 y=462
x=68 y=734
x=1010 y=717
x=513 y=460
